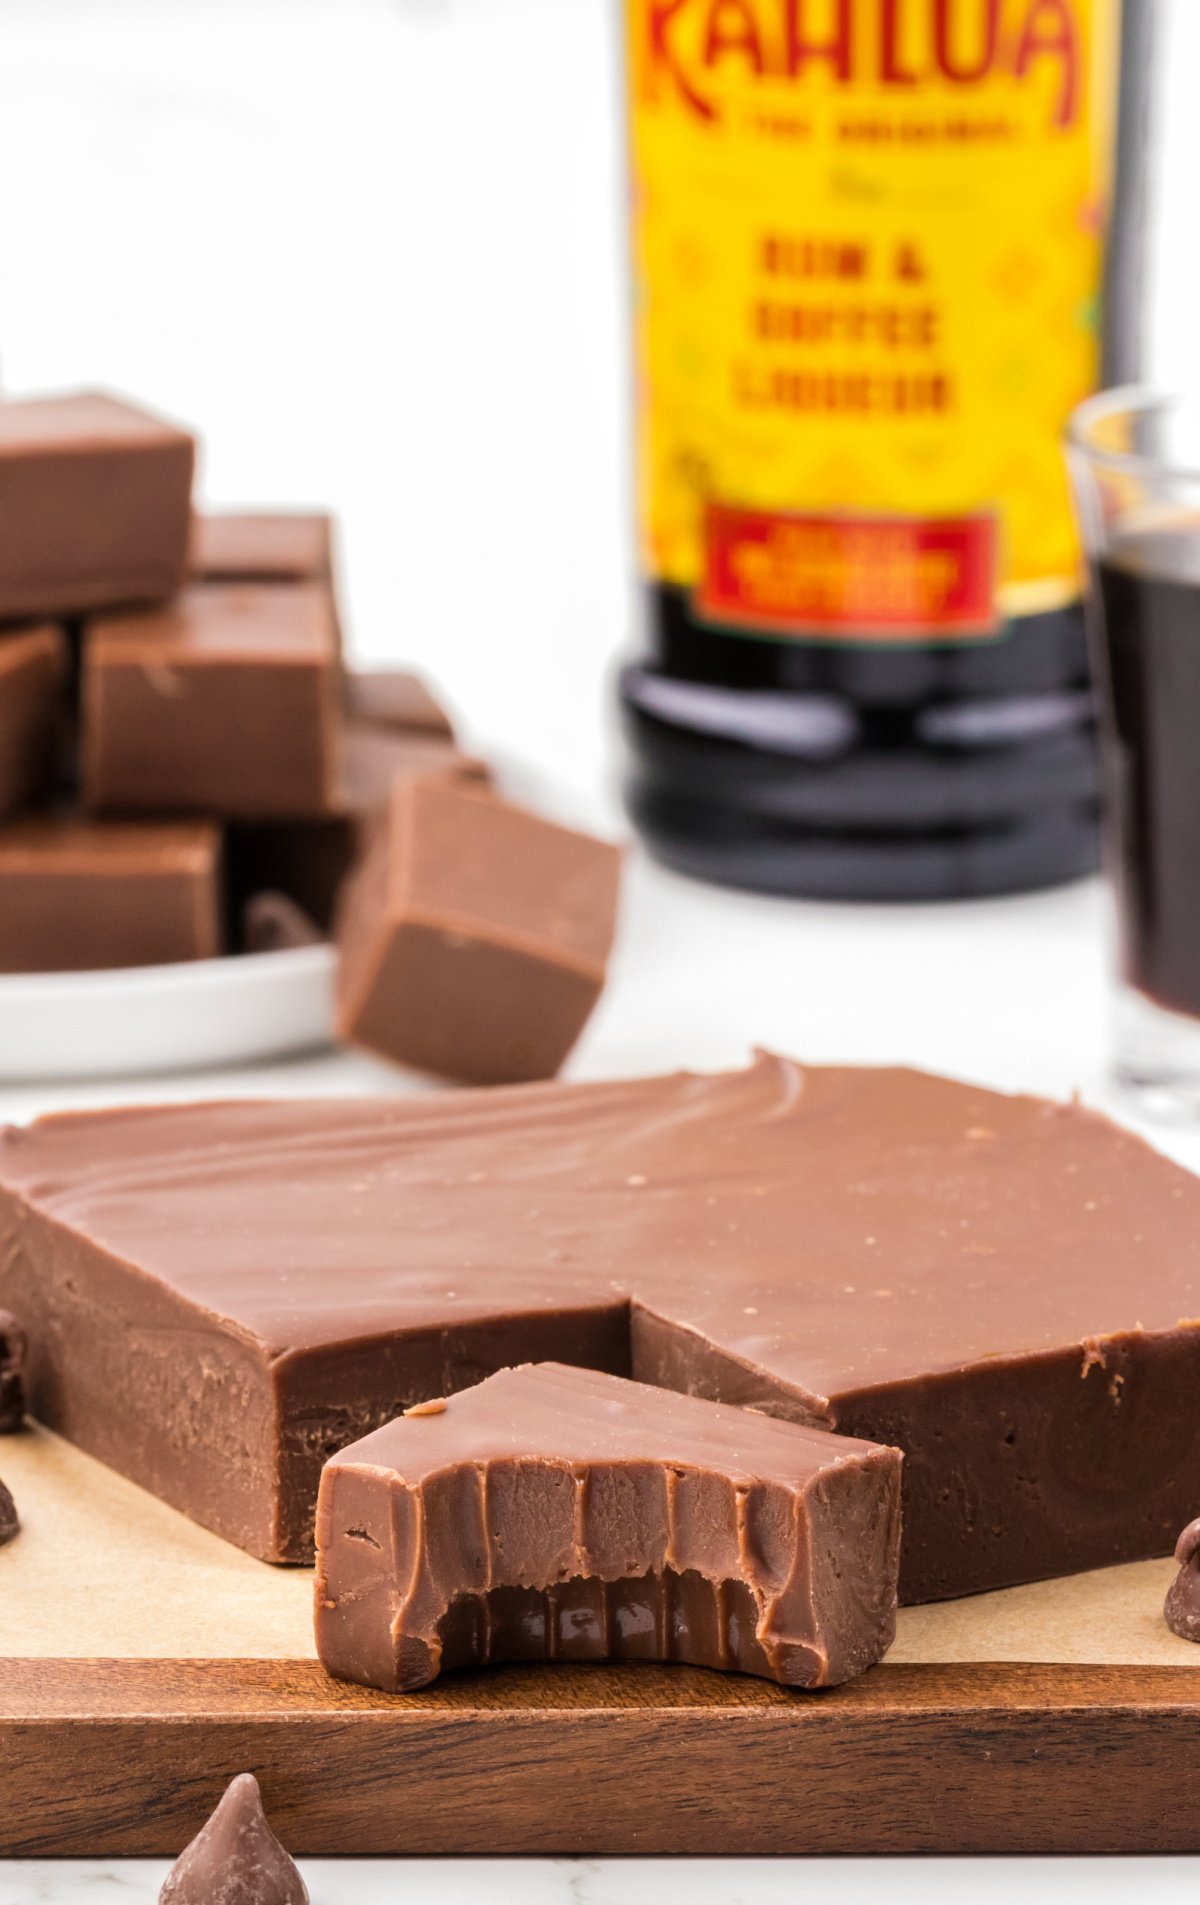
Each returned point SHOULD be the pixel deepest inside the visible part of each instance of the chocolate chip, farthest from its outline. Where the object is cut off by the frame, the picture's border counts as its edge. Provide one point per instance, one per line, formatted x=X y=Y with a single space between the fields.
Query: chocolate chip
x=10 y=1522
x=13 y=1349
x=235 y=1859
x=1182 y=1607
x=1188 y=1544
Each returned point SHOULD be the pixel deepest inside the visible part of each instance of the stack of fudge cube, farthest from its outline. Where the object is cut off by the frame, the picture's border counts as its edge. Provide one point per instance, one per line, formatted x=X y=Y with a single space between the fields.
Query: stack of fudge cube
x=189 y=767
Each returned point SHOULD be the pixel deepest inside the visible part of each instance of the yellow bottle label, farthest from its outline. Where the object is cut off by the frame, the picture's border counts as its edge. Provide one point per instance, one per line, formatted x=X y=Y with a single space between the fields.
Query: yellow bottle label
x=868 y=248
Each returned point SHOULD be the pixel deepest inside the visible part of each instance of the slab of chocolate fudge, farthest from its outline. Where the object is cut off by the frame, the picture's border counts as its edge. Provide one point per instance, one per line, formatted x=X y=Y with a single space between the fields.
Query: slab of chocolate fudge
x=95 y=504
x=225 y=702
x=308 y=860
x=218 y=1297
x=33 y=674
x=559 y=1514
x=474 y=936
x=81 y=896
x=396 y=698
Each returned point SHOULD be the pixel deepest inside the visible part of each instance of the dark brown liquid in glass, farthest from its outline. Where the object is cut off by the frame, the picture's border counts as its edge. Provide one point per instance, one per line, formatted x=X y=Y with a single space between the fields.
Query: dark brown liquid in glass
x=1148 y=633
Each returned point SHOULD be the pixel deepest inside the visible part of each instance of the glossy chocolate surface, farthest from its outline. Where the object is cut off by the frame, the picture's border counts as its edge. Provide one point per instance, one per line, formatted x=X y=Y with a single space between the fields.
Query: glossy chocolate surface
x=95 y=502
x=553 y=1513
x=1008 y=1290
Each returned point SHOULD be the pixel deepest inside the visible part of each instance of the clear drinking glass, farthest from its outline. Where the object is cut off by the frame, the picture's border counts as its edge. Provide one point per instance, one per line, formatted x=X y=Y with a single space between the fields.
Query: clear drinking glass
x=1135 y=458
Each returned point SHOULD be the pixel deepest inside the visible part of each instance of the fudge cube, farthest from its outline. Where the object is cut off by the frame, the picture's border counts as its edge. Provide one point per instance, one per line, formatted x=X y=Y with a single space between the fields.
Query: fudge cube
x=473 y=935
x=396 y=698
x=33 y=673
x=308 y=861
x=277 y=547
x=79 y=896
x=95 y=505
x=280 y=547
x=224 y=702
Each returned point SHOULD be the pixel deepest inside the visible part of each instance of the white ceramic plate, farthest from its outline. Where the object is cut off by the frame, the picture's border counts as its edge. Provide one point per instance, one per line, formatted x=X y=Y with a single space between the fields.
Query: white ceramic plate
x=144 y=1019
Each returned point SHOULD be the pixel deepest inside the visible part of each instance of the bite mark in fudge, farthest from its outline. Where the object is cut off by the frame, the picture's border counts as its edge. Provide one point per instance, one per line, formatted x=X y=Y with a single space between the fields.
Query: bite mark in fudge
x=85 y=895
x=223 y=703
x=95 y=500
x=556 y=1514
x=309 y=860
x=1181 y=1610
x=219 y=1297
x=474 y=936
x=33 y=675
x=396 y=698
x=14 y=1349
x=235 y=1858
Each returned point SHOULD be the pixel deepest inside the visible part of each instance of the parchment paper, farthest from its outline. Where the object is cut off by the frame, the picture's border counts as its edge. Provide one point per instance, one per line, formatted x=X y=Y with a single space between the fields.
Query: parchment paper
x=103 y=1571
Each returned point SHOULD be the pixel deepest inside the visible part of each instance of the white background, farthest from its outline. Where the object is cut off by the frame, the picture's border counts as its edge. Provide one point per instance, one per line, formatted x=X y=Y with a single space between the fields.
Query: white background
x=375 y=253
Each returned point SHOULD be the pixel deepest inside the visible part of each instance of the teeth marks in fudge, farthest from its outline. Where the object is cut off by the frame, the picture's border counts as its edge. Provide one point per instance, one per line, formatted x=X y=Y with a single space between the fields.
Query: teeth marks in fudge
x=994 y=1285
x=1182 y=1608
x=79 y=895
x=95 y=497
x=558 y=1514
x=14 y=1353
x=474 y=936
x=235 y=1859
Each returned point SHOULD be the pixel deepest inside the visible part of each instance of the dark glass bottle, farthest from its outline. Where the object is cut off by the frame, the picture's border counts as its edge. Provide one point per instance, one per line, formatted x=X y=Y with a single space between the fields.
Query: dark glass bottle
x=869 y=243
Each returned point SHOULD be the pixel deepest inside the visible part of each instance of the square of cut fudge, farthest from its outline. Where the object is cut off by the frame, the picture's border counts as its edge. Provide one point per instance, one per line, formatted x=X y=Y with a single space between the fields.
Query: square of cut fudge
x=473 y=936
x=33 y=674
x=242 y=546
x=224 y=702
x=308 y=861
x=95 y=504
x=79 y=895
x=395 y=698
x=279 y=546
x=551 y=1513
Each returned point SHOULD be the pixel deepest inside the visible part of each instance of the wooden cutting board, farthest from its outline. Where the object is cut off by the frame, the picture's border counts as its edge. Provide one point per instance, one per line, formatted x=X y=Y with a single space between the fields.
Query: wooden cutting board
x=144 y=1662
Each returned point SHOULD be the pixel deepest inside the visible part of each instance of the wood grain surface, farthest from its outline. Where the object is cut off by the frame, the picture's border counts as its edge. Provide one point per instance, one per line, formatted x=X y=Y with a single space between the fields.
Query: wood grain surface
x=105 y=1758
